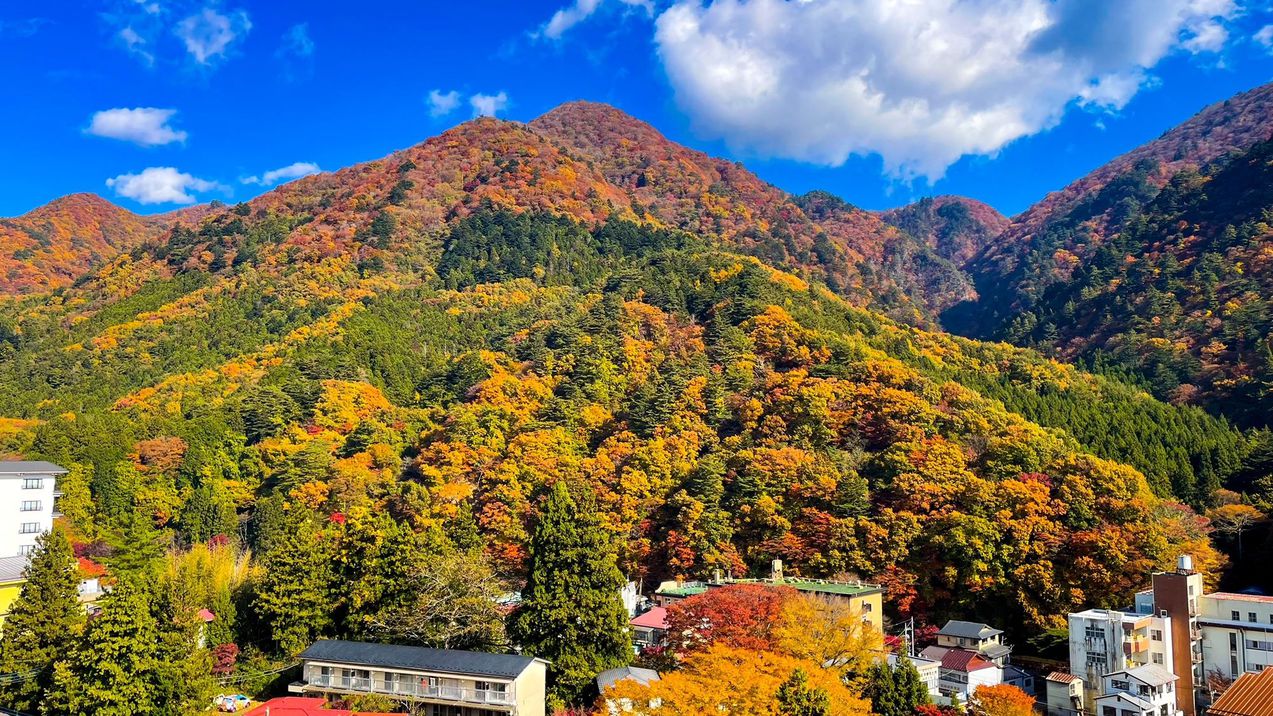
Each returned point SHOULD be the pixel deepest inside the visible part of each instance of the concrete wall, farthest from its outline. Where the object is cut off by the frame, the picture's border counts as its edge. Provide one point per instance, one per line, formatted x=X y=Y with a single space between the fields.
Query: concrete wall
x=12 y=495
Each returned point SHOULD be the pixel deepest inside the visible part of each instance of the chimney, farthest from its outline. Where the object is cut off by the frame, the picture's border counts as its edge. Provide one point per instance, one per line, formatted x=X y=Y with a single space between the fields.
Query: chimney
x=776 y=570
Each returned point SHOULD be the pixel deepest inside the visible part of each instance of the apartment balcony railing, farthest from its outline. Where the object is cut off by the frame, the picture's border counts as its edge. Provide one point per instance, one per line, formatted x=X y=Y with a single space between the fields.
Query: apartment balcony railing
x=458 y=694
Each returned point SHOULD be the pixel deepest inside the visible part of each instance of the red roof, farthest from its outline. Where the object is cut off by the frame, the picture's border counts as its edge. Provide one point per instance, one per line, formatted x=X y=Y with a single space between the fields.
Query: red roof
x=1250 y=695
x=656 y=618
x=207 y=616
x=1062 y=678
x=1262 y=598
x=304 y=706
x=964 y=660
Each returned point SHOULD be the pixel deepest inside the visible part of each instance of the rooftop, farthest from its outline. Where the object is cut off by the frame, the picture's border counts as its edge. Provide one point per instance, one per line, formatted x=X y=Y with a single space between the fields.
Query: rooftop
x=606 y=679
x=656 y=618
x=29 y=467
x=452 y=661
x=1250 y=695
x=1151 y=674
x=816 y=586
x=956 y=659
x=1061 y=677
x=11 y=569
x=969 y=630
x=1239 y=596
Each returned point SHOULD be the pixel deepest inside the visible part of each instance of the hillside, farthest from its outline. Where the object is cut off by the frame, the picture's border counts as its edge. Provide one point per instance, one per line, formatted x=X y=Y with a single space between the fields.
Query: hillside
x=438 y=337
x=956 y=227
x=1070 y=273
x=49 y=247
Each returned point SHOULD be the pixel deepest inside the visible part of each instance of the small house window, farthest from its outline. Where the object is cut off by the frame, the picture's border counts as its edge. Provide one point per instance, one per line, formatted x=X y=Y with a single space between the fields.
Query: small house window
x=26 y=550
x=33 y=483
x=29 y=528
x=30 y=505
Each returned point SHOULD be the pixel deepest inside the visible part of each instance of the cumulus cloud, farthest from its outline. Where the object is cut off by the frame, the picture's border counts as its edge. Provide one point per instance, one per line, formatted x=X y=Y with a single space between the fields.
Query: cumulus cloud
x=291 y=171
x=160 y=185
x=488 y=105
x=443 y=103
x=580 y=10
x=146 y=126
x=1265 y=37
x=920 y=83
x=209 y=33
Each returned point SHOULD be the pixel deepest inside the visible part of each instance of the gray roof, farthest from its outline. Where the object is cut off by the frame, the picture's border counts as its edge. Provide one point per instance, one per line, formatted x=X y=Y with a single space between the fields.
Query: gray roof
x=30 y=467
x=11 y=568
x=968 y=630
x=994 y=651
x=1152 y=674
x=418 y=658
x=606 y=679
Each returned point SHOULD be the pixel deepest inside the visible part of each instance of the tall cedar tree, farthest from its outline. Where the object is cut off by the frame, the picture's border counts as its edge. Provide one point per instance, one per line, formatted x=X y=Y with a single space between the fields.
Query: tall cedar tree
x=296 y=598
x=110 y=671
x=895 y=691
x=572 y=613
x=43 y=623
x=797 y=698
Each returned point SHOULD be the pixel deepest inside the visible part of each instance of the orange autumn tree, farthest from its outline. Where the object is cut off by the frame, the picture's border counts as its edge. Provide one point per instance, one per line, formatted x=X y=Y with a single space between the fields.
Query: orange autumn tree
x=1001 y=700
x=742 y=616
x=728 y=680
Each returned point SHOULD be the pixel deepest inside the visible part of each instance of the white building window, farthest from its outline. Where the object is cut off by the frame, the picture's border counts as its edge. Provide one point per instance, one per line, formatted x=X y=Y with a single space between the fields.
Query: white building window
x=29 y=528
x=1157 y=658
x=1155 y=634
x=31 y=505
x=26 y=550
x=33 y=483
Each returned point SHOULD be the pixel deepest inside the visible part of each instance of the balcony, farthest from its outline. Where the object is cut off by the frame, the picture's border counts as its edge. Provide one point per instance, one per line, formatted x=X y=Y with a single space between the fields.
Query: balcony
x=415 y=690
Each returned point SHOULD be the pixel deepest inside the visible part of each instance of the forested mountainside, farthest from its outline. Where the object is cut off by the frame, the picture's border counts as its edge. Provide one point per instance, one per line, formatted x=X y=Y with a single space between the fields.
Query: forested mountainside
x=49 y=247
x=956 y=227
x=1154 y=266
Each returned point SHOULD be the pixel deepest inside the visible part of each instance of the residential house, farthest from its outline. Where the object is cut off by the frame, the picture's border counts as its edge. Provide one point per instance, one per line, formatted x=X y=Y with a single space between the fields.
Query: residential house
x=649 y=629
x=1250 y=695
x=961 y=671
x=1143 y=691
x=929 y=671
x=441 y=682
x=1063 y=694
x=981 y=638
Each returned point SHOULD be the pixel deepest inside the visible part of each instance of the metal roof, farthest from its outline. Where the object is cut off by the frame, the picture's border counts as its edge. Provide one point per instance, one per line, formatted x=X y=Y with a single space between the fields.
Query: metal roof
x=418 y=658
x=1250 y=695
x=11 y=569
x=30 y=467
x=1151 y=674
x=968 y=630
x=1062 y=678
x=609 y=678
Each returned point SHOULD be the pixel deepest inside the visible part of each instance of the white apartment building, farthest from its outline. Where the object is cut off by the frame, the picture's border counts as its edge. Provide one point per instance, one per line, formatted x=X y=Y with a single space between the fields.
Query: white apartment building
x=27 y=491
x=1237 y=633
x=1143 y=691
x=1103 y=641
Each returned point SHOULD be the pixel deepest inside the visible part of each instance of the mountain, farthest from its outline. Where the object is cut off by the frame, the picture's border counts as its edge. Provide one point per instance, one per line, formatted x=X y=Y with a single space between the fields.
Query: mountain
x=428 y=342
x=956 y=227
x=49 y=247
x=1151 y=265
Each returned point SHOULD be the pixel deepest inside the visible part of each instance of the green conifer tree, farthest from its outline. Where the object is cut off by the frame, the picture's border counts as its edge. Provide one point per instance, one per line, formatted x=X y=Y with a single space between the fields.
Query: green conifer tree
x=296 y=599
x=797 y=698
x=42 y=624
x=109 y=672
x=572 y=613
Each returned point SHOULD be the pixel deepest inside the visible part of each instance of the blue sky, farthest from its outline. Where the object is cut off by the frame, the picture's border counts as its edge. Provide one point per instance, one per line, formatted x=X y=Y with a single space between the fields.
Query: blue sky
x=156 y=103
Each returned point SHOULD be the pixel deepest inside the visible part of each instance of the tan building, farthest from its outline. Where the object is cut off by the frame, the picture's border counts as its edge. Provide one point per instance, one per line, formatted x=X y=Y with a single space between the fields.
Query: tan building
x=440 y=682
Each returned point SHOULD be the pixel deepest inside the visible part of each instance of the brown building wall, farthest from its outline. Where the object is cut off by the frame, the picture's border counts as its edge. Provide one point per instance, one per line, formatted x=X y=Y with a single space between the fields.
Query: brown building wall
x=1171 y=593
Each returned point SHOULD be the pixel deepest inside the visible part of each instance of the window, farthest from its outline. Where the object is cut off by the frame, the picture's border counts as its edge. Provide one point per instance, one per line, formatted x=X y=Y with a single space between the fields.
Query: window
x=1095 y=659
x=1109 y=711
x=1259 y=645
x=26 y=550
x=33 y=483
x=866 y=607
x=1250 y=616
x=29 y=528
x=1235 y=616
x=30 y=505
x=1155 y=634
x=1094 y=632
x=1233 y=665
x=1157 y=658
x=1120 y=685
x=1233 y=641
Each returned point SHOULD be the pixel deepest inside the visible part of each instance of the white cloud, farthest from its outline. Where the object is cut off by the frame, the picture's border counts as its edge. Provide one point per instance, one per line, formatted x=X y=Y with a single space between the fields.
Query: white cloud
x=443 y=103
x=297 y=42
x=580 y=10
x=488 y=105
x=147 y=126
x=209 y=34
x=135 y=43
x=160 y=185
x=1265 y=37
x=291 y=171
x=921 y=83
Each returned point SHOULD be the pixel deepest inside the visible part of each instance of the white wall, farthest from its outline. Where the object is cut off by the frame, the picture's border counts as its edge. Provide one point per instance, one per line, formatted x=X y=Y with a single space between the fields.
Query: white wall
x=12 y=495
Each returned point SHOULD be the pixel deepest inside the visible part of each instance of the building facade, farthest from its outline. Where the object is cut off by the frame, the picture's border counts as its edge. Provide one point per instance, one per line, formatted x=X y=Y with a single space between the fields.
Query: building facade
x=439 y=682
x=1237 y=634
x=27 y=492
x=1143 y=691
x=1104 y=640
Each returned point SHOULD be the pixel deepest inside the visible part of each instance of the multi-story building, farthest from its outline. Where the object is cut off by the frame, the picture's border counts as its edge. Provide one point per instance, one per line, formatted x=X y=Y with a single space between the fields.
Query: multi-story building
x=440 y=682
x=1237 y=633
x=981 y=638
x=1104 y=640
x=1143 y=691
x=27 y=491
